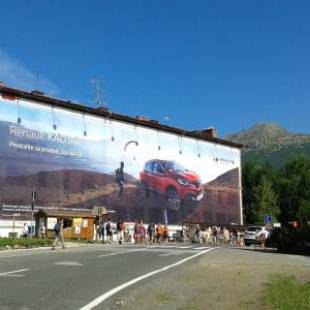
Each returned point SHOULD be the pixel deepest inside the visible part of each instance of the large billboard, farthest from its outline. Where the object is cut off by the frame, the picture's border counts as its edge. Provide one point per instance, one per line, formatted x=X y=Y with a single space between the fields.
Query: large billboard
x=77 y=161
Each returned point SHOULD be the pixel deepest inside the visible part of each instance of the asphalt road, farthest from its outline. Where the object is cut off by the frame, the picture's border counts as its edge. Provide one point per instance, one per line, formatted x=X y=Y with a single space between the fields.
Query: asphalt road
x=75 y=277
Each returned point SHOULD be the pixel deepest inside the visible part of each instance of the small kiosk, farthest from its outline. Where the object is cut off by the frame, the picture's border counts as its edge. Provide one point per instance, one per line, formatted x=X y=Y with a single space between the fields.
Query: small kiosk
x=81 y=224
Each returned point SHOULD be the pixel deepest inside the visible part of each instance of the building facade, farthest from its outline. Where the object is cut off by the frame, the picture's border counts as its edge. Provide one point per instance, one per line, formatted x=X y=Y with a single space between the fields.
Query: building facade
x=75 y=158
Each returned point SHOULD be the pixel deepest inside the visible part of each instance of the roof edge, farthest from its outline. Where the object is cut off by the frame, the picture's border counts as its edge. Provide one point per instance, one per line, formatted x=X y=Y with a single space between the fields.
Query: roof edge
x=41 y=98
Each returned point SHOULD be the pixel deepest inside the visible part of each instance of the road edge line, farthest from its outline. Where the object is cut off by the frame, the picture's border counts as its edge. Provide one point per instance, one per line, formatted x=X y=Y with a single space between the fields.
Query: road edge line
x=14 y=271
x=120 y=252
x=116 y=289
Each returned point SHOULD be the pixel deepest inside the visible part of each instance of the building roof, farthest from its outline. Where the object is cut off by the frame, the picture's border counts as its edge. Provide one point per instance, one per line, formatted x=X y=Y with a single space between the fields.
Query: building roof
x=66 y=213
x=105 y=113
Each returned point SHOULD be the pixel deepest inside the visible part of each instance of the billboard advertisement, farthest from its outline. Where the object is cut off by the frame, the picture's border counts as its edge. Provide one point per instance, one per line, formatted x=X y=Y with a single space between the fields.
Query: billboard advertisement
x=76 y=161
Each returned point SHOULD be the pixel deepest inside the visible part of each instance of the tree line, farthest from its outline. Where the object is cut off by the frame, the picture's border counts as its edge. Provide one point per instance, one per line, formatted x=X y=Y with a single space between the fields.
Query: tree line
x=284 y=193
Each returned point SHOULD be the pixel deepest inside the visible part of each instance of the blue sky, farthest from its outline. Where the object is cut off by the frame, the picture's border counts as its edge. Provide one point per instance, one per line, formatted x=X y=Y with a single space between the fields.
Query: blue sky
x=228 y=64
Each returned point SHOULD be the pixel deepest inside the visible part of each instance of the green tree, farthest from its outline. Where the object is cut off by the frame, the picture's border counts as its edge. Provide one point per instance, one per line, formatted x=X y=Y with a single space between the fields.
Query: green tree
x=259 y=194
x=294 y=190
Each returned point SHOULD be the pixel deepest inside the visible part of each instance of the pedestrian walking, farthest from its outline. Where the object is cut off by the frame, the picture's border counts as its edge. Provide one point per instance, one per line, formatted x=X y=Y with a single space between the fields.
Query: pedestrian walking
x=58 y=229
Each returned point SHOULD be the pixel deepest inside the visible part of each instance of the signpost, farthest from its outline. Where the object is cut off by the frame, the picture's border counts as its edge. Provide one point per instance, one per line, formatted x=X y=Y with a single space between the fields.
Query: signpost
x=98 y=211
x=34 y=196
x=267 y=219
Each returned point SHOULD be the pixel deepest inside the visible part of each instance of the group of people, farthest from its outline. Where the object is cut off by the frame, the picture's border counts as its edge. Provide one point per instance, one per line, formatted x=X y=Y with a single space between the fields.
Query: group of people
x=153 y=234
x=104 y=231
x=211 y=235
x=138 y=233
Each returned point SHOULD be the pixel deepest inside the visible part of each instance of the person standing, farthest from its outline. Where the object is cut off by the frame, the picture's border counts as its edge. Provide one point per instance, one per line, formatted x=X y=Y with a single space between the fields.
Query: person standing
x=120 y=231
x=214 y=235
x=151 y=232
x=159 y=233
x=108 y=229
x=58 y=229
x=165 y=234
x=42 y=231
x=101 y=229
x=226 y=235
x=25 y=231
x=136 y=232
x=142 y=232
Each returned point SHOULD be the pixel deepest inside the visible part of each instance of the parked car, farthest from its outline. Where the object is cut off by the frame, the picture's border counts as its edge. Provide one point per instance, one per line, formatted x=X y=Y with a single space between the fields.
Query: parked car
x=171 y=180
x=254 y=234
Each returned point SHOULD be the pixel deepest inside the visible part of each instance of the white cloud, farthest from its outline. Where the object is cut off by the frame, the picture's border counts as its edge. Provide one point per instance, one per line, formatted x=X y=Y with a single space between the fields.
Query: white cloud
x=15 y=75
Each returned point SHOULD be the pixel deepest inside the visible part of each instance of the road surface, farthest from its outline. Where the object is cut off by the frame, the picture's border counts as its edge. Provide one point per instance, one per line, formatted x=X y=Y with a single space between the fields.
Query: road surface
x=141 y=277
x=75 y=278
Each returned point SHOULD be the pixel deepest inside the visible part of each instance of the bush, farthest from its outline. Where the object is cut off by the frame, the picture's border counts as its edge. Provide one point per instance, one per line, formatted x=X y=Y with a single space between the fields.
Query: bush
x=289 y=239
x=24 y=242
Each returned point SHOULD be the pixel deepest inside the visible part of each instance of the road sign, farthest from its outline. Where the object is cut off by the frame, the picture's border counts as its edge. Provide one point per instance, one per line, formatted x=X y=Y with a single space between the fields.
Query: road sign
x=99 y=211
x=267 y=218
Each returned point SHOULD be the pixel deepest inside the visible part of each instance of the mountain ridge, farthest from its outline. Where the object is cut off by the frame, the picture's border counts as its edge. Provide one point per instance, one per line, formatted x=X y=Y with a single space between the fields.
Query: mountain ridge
x=271 y=143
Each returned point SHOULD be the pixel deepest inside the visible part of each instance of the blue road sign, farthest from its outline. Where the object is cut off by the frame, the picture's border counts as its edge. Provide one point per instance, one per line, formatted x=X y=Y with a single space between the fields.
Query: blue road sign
x=267 y=218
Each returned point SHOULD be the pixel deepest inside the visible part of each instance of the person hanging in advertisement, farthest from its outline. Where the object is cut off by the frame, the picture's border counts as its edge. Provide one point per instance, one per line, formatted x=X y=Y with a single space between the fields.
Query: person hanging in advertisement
x=120 y=178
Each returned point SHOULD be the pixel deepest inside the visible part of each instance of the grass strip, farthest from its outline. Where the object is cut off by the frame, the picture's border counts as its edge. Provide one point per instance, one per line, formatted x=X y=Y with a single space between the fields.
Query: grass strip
x=285 y=293
x=24 y=242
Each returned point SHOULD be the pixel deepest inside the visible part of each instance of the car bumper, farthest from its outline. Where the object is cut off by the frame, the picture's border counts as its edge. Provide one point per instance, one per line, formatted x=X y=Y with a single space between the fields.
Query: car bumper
x=193 y=195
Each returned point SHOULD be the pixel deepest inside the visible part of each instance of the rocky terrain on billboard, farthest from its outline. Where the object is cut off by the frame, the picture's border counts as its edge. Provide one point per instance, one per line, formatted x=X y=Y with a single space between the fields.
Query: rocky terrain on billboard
x=79 y=189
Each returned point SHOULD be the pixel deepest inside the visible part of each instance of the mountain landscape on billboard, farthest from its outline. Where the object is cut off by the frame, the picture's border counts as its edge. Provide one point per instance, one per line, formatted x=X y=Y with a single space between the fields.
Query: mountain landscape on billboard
x=78 y=189
x=272 y=143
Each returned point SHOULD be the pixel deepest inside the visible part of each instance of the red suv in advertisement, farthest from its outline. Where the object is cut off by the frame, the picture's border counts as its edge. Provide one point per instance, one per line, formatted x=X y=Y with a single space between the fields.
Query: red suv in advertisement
x=172 y=180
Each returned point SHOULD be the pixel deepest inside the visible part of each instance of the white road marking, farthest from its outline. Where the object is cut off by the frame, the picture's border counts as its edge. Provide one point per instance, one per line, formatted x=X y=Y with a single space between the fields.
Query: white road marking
x=68 y=264
x=170 y=254
x=4 y=274
x=122 y=252
x=116 y=289
x=200 y=248
x=15 y=275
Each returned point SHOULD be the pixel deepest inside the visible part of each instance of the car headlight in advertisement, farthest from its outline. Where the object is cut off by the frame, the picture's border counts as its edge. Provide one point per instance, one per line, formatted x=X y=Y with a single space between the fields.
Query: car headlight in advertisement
x=183 y=182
